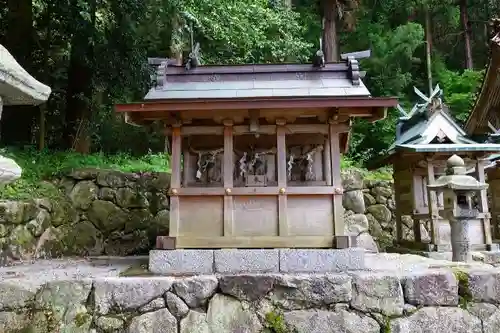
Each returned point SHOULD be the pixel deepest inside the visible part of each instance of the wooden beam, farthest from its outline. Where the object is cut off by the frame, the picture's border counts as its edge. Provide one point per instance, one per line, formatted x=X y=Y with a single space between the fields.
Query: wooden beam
x=327 y=162
x=259 y=242
x=433 y=209
x=282 y=177
x=483 y=202
x=257 y=191
x=175 y=181
x=228 y=178
x=263 y=129
x=186 y=167
x=338 y=210
x=358 y=103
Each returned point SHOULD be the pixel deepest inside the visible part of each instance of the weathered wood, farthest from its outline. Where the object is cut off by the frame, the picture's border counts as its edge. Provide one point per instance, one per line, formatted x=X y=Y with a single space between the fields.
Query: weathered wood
x=165 y=243
x=327 y=163
x=228 y=178
x=338 y=210
x=433 y=209
x=175 y=181
x=282 y=177
x=483 y=202
x=262 y=129
x=270 y=190
x=259 y=242
x=186 y=167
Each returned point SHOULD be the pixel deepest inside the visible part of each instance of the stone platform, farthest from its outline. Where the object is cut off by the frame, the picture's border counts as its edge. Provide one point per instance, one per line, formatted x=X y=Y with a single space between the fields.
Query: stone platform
x=235 y=261
x=394 y=293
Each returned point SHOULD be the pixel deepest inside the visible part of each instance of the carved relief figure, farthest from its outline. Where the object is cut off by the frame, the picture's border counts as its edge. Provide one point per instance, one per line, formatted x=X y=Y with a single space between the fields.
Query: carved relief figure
x=301 y=163
x=209 y=166
x=252 y=166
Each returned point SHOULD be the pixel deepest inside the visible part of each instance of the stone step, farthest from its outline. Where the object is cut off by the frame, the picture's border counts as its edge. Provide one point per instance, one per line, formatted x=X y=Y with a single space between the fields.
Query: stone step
x=237 y=261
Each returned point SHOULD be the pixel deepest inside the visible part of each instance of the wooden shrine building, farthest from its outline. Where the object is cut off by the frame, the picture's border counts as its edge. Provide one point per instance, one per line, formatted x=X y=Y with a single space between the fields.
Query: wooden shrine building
x=425 y=138
x=255 y=151
x=484 y=121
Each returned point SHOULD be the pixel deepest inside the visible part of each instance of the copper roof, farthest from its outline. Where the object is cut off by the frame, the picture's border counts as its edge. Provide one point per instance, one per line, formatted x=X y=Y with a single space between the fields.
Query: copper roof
x=265 y=80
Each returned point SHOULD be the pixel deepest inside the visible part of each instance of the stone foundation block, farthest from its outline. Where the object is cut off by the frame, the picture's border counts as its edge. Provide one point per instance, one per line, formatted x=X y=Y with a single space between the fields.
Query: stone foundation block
x=438 y=288
x=377 y=292
x=321 y=261
x=243 y=261
x=175 y=262
x=484 y=286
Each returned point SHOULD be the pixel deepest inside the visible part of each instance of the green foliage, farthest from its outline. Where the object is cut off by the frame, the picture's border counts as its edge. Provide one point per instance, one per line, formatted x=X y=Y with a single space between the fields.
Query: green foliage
x=248 y=32
x=275 y=323
x=113 y=38
x=39 y=168
x=384 y=173
x=464 y=293
x=459 y=90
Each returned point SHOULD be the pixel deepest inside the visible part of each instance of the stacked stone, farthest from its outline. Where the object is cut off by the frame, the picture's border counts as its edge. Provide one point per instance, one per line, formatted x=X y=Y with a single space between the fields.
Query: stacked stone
x=367 y=302
x=104 y=213
x=370 y=212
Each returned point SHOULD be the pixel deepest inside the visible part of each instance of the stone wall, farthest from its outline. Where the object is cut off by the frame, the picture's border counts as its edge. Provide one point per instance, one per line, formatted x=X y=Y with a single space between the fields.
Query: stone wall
x=365 y=302
x=113 y=213
x=103 y=212
x=369 y=210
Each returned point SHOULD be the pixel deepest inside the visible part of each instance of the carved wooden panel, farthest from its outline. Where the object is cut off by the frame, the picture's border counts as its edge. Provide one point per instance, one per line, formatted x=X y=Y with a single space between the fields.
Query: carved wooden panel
x=310 y=215
x=201 y=216
x=255 y=216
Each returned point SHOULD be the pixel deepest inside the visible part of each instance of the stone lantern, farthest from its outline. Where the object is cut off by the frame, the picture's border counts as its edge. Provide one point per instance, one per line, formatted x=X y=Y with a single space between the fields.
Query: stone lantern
x=458 y=190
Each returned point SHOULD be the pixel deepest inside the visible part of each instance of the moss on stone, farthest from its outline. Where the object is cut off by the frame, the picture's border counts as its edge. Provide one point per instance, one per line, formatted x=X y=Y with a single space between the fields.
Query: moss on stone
x=464 y=294
x=82 y=318
x=275 y=323
x=387 y=325
x=136 y=270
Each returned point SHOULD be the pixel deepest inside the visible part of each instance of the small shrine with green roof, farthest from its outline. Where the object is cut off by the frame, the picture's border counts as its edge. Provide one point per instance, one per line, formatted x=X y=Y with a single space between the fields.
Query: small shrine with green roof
x=426 y=137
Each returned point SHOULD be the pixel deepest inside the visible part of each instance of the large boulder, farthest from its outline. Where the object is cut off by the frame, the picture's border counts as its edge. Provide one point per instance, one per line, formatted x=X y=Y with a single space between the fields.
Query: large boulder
x=9 y=170
x=353 y=200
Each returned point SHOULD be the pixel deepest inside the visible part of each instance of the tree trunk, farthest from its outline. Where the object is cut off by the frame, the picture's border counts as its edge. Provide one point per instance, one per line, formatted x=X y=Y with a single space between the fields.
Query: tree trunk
x=17 y=121
x=46 y=75
x=464 y=17
x=428 y=48
x=330 y=37
x=79 y=91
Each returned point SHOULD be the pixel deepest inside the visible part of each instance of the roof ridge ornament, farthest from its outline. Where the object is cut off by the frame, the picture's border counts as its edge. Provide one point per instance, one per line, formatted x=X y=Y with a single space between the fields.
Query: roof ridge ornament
x=194 y=57
x=432 y=103
x=319 y=57
x=353 y=64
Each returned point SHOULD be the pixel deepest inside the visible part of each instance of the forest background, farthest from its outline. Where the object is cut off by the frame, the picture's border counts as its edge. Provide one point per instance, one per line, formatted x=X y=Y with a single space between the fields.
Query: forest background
x=93 y=53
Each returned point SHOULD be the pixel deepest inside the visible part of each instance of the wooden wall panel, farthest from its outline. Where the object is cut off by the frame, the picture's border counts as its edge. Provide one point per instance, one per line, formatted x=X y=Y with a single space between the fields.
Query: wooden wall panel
x=255 y=216
x=310 y=215
x=201 y=216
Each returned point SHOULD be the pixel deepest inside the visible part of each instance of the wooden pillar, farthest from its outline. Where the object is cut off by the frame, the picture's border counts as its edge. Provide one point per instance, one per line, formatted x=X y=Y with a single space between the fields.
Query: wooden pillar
x=186 y=166
x=338 y=209
x=228 y=178
x=282 y=177
x=494 y=189
x=433 y=208
x=483 y=202
x=175 y=181
x=327 y=162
